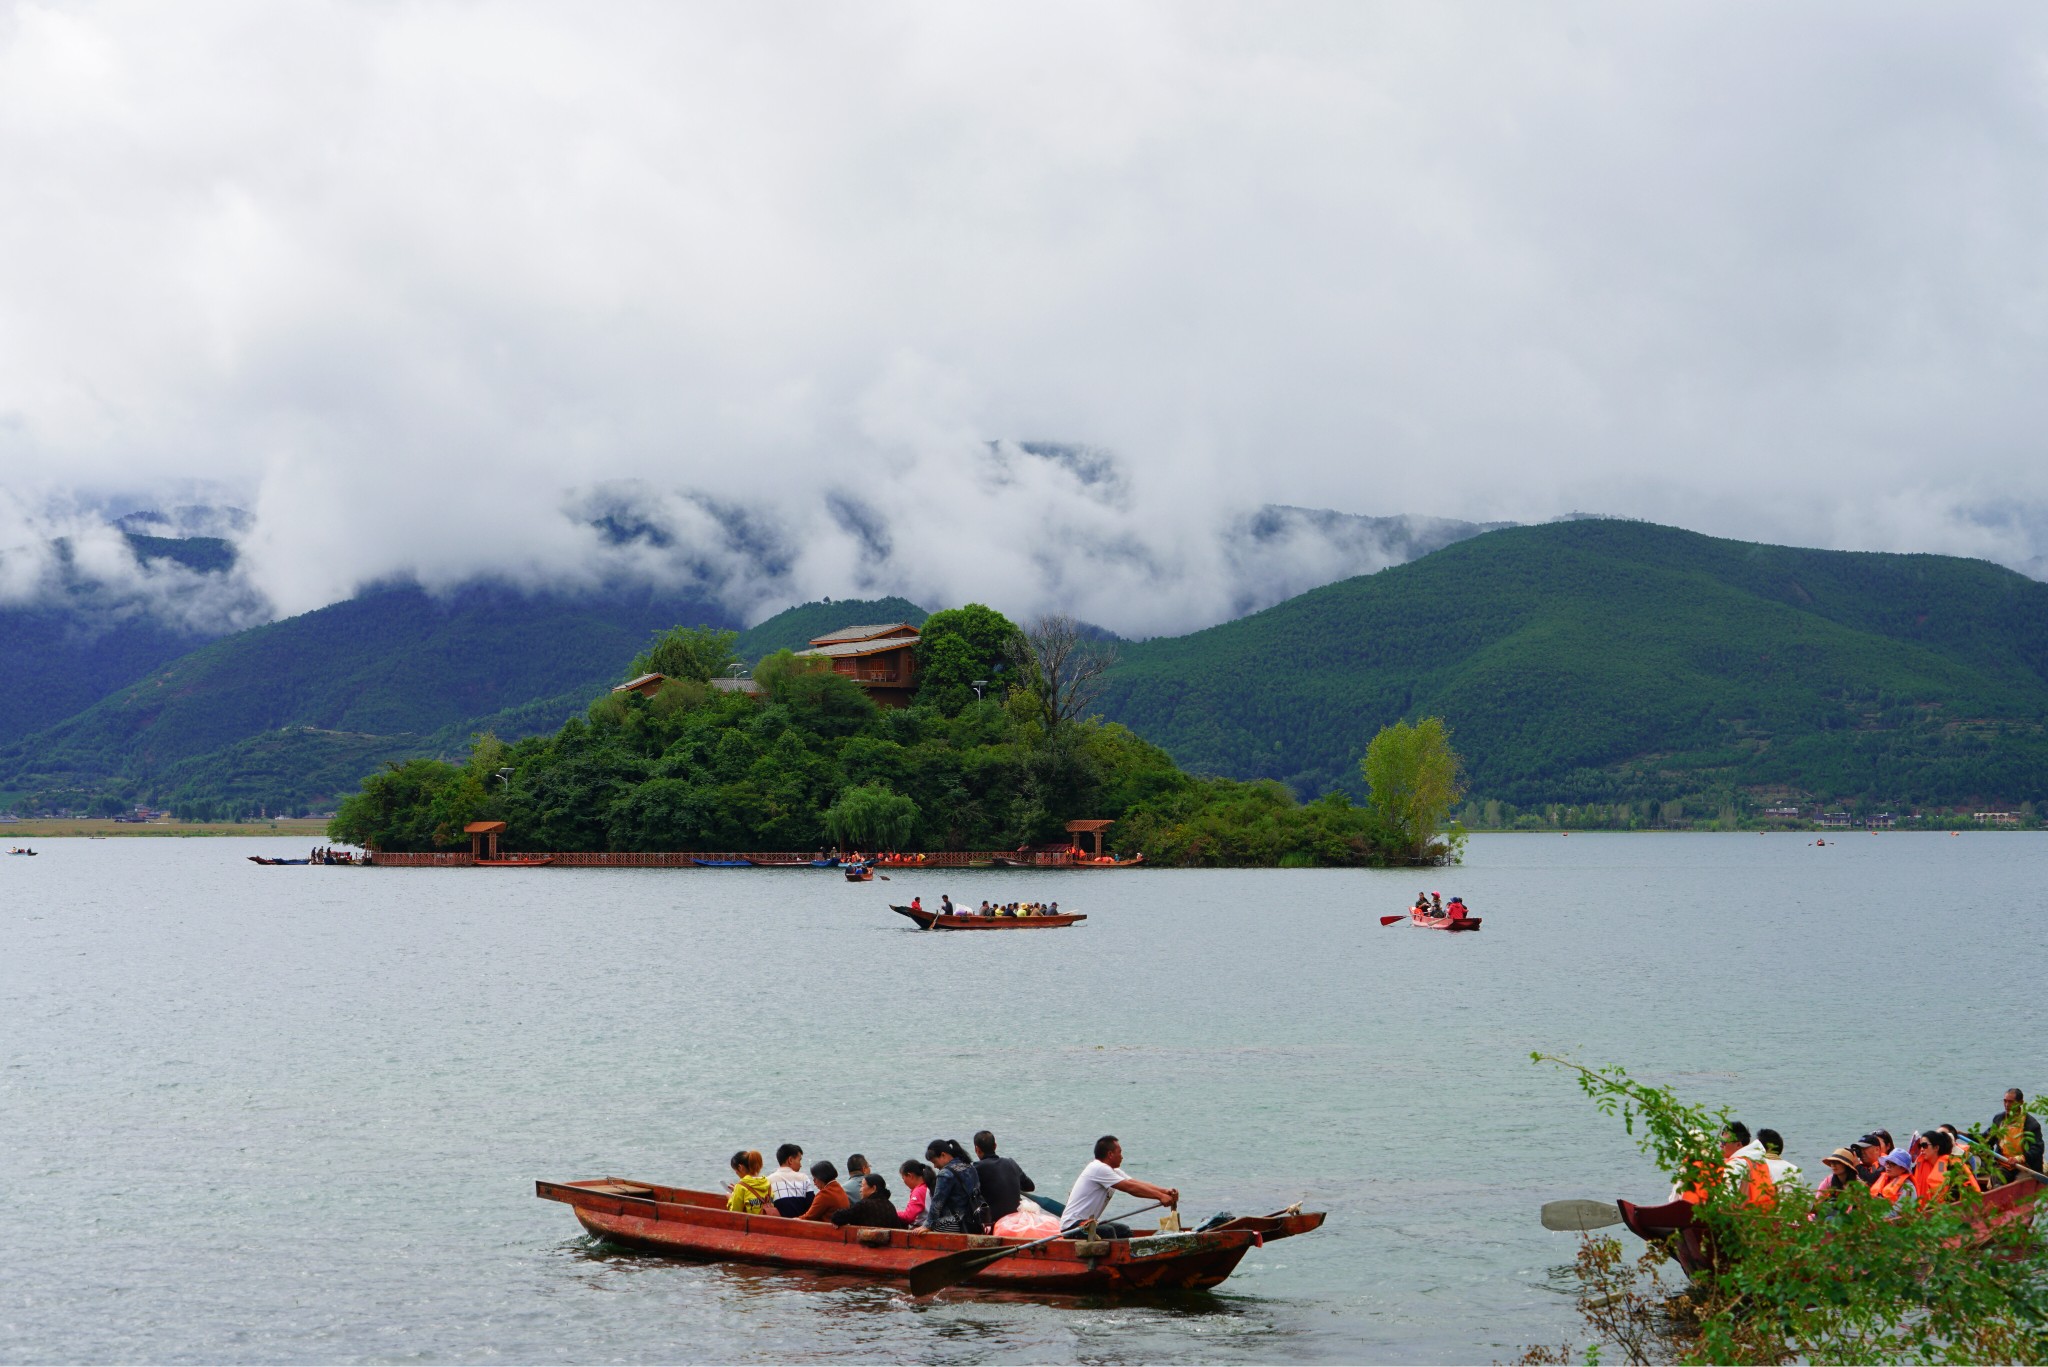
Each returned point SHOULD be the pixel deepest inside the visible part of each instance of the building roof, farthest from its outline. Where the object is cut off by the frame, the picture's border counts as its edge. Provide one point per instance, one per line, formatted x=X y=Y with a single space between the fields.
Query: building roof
x=1089 y=825
x=644 y=682
x=840 y=650
x=483 y=827
x=865 y=633
x=736 y=685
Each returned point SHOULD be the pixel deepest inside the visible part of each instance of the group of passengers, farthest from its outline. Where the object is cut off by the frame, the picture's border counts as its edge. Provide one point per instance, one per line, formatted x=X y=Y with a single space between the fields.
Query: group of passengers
x=1432 y=905
x=1935 y=1167
x=988 y=908
x=948 y=1193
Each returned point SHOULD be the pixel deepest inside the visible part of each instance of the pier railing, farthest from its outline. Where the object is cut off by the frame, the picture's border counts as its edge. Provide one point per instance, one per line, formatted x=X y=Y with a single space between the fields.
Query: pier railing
x=942 y=859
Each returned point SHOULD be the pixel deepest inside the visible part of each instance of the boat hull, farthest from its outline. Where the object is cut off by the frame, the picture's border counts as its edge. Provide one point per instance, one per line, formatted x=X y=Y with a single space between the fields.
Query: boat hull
x=931 y=920
x=514 y=863
x=1443 y=922
x=675 y=1222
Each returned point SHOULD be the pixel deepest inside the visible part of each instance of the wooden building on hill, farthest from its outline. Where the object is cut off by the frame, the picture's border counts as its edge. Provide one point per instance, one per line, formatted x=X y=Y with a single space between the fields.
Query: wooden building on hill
x=881 y=659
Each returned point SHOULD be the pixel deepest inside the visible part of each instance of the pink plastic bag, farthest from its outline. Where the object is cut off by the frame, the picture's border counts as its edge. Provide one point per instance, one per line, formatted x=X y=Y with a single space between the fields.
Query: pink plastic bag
x=1030 y=1221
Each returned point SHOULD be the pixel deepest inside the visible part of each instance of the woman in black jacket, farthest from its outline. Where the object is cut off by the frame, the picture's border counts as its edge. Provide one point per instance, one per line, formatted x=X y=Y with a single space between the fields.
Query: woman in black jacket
x=956 y=1190
x=874 y=1208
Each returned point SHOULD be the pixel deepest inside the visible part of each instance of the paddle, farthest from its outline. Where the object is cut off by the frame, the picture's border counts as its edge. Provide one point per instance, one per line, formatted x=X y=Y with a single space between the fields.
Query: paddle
x=1578 y=1216
x=1389 y=920
x=2006 y=1162
x=936 y=1274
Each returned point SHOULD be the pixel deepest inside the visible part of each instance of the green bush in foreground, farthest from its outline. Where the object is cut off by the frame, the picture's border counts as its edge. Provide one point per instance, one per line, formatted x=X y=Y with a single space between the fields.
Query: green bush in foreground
x=1809 y=1279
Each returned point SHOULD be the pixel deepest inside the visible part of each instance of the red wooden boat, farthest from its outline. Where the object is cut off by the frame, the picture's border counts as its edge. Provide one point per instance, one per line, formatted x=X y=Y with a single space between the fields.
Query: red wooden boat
x=530 y=862
x=695 y=1224
x=1442 y=922
x=1673 y=1220
x=932 y=920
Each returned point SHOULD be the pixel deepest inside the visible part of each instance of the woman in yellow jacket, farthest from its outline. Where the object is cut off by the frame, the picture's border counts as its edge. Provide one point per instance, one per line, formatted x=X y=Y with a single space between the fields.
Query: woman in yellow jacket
x=751 y=1194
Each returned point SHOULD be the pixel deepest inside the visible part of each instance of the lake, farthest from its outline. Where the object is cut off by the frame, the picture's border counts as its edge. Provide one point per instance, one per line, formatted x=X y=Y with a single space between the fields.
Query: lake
x=296 y=1114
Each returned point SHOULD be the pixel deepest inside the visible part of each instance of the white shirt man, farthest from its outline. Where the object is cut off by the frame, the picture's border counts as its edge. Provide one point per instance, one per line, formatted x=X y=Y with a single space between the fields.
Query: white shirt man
x=1090 y=1196
x=790 y=1183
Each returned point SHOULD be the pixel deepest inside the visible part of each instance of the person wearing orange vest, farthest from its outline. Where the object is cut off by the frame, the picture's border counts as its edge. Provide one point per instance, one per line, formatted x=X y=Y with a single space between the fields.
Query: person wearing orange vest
x=1739 y=1155
x=1938 y=1178
x=1894 y=1176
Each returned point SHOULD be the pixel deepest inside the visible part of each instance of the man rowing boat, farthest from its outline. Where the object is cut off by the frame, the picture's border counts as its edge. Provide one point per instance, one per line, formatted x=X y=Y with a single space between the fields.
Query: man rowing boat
x=1090 y=1196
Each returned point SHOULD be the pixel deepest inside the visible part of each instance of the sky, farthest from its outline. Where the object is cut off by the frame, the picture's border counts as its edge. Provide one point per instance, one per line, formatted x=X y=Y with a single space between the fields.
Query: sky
x=795 y=293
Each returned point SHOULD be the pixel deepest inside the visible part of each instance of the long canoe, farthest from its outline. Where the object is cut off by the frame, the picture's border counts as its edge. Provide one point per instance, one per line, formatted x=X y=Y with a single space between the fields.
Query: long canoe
x=723 y=863
x=253 y=859
x=1066 y=861
x=539 y=861
x=932 y=920
x=1689 y=1243
x=1443 y=922
x=679 y=1222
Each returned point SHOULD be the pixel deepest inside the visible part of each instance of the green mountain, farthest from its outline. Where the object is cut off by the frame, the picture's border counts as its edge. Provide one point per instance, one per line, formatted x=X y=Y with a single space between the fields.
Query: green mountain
x=291 y=713
x=60 y=655
x=1610 y=661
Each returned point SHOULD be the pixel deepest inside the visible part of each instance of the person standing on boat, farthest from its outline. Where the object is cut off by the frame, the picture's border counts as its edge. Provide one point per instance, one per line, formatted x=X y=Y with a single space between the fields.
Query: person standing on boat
x=792 y=1190
x=1003 y=1183
x=945 y=905
x=2015 y=1137
x=1090 y=1196
x=956 y=1190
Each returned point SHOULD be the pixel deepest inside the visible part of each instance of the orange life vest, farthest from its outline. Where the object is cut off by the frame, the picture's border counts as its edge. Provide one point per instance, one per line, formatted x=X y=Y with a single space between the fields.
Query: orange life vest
x=1759 y=1190
x=1943 y=1179
x=1886 y=1188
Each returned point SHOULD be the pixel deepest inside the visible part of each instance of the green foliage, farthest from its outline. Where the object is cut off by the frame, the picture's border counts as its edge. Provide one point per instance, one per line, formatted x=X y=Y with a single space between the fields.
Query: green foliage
x=1617 y=662
x=813 y=760
x=687 y=653
x=871 y=817
x=1807 y=1278
x=960 y=646
x=1411 y=773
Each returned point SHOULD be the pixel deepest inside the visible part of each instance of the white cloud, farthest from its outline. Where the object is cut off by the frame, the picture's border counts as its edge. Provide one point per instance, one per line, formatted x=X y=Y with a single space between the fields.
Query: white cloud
x=410 y=280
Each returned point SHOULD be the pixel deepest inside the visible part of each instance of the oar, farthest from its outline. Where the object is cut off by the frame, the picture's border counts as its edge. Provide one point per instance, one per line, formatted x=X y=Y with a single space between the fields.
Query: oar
x=2034 y=1173
x=936 y=1274
x=1389 y=920
x=1577 y=1216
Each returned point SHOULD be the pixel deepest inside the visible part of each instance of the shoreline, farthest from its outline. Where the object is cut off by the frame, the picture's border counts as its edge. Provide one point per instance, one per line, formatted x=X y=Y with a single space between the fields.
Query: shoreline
x=55 y=828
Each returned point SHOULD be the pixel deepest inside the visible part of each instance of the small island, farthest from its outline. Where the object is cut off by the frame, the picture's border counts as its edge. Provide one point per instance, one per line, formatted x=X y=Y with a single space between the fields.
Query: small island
x=967 y=734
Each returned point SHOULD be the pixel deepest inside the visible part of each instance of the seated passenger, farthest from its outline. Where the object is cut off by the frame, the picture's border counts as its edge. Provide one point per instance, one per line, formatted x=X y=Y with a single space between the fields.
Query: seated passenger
x=1939 y=1177
x=872 y=1210
x=1842 y=1173
x=986 y=909
x=751 y=1194
x=918 y=1178
x=1455 y=907
x=1894 y=1184
x=956 y=1190
x=945 y=905
x=792 y=1190
x=831 y=1197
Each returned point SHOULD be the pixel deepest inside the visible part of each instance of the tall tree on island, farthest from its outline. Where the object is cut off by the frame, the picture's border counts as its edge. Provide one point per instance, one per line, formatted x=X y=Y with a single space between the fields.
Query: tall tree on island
x=1415 y=780
x=1063 y=667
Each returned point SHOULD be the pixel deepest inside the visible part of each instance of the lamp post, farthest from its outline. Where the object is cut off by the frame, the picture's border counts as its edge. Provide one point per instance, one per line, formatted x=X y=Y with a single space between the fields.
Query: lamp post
x=977 y=686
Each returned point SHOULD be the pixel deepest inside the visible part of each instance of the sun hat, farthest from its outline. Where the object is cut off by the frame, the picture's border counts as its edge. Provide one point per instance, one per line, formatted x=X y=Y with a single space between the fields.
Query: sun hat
x=1900 y=1159
x=1844 y=1157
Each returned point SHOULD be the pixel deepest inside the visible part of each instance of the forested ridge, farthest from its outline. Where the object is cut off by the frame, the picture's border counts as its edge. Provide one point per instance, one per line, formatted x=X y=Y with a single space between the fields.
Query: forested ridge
x=1617 y=662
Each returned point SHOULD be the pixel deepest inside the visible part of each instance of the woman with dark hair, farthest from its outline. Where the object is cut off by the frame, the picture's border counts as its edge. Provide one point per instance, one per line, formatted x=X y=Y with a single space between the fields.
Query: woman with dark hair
x=751 y=1194
x=956 y=1190
x=873 y=1210
x=918 y=1178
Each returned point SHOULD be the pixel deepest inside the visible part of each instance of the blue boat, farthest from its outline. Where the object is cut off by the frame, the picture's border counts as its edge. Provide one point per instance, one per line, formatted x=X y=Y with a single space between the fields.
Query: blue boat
x=723 y=863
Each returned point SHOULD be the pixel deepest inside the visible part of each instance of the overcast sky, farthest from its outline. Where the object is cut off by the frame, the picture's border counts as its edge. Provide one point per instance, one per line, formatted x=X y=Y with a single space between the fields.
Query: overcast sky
x=421 y=285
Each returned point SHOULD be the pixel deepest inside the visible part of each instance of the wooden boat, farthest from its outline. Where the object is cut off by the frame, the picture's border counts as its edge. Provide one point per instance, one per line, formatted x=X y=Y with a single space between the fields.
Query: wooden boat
x=1442 y=922
x=932 y=920
x=1064 y=860
x=32 y=854
x=528 y=862
x=859 y=873
x=723 y=863
x=794 y=863
x=258 y=859
x=695 y=1224
x=1694 y=1251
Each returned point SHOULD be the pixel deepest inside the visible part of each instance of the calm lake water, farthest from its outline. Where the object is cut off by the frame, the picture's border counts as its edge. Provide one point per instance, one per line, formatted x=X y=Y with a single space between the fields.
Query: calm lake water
x=295 y=1114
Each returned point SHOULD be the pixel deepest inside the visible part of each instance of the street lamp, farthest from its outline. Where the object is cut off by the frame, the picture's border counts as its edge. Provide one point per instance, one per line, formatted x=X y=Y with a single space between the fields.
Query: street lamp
x=977 y=686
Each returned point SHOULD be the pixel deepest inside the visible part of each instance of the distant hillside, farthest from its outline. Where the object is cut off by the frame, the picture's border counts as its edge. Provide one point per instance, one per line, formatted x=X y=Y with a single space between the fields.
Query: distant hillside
x=379 y=673
x=60 y=655
x=1617 y=661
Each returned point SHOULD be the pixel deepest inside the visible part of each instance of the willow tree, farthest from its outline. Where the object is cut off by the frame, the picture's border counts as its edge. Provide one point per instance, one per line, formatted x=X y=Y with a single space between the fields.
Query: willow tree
x=1415 y=780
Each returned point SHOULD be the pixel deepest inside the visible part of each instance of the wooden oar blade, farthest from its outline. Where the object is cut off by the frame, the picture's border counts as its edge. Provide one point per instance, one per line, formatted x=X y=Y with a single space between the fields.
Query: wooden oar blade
x=1389 y=920
x=937 y=1274
x=1579 y=1216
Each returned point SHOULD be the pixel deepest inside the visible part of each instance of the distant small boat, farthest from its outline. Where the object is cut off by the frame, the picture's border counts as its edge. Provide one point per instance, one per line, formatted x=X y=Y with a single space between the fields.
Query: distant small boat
x=1443 y=922
x=258 y=859
x=30 y=853
x=795 y=863
x=859 y=873
x=533 y=862
x=723 y=863
x=932 y=920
